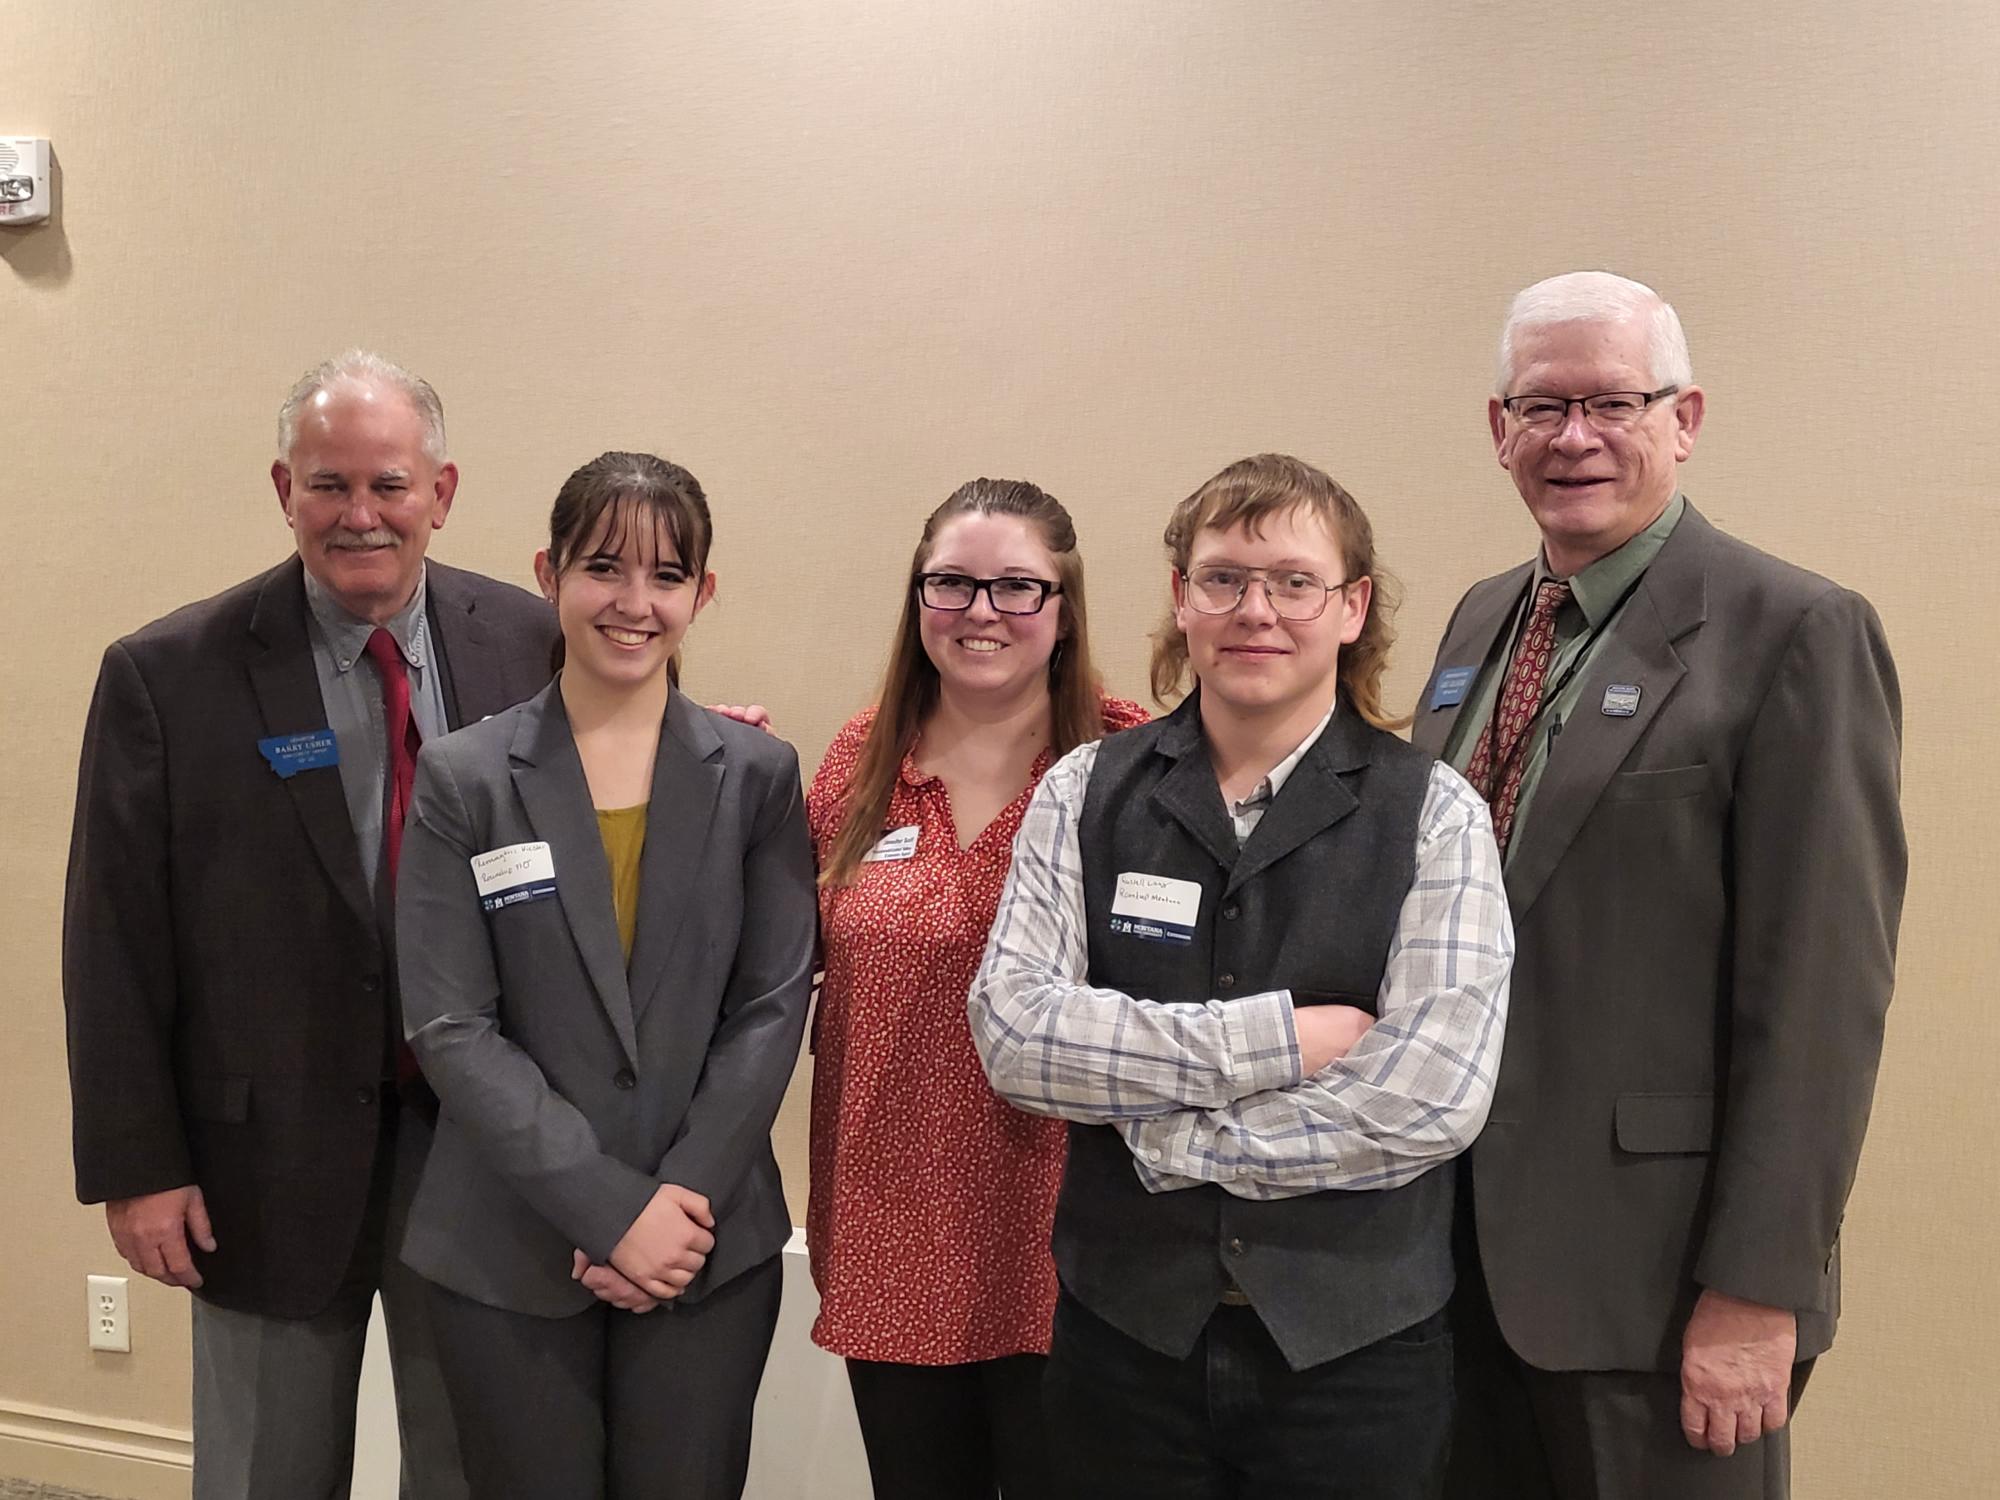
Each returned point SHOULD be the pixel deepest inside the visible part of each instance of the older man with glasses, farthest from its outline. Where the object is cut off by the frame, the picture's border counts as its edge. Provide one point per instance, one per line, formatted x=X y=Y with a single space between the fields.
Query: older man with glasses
x=1691 y=754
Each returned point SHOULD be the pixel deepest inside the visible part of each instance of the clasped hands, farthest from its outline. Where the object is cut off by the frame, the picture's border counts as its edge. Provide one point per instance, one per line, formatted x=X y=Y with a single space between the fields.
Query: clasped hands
x=662 y=1252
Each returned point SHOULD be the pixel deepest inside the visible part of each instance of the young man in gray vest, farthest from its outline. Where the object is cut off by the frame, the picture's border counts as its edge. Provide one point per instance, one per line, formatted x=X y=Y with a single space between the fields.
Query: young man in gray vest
x=1258 y=953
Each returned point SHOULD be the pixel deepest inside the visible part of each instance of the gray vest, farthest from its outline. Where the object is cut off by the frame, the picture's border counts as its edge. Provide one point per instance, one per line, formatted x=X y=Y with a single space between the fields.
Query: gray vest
x=1310 y=904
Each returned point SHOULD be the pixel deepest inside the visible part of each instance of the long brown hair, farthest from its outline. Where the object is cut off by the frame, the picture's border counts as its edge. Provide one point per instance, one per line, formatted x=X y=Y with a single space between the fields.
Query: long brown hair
x=1247 y=493
x=637 y=489
x=910 y=686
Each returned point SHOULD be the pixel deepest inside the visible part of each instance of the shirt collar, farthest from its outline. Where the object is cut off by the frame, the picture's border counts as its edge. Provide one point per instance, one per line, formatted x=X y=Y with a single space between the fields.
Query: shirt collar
x=1599 y=587
x=347 y=633
x=1267 y=790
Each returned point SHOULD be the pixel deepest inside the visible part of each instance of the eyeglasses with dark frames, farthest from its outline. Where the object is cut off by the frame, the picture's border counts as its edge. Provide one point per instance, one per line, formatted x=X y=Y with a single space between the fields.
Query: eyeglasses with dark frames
x=1217 y=588
x=1011 y=595
x=1605 y=409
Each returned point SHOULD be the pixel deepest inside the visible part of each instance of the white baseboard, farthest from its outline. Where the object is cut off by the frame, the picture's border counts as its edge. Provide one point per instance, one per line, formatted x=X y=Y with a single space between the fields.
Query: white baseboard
x=805 y=1445
x=130 y=1460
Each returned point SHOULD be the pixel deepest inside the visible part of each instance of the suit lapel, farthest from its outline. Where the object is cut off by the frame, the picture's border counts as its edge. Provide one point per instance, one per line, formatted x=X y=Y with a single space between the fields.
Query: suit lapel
x=1670 y=600
x=687 y=783
x=1312 y=799
x=475 y=669
x=1487 y=612
x=287 y=687
x=548 y=776
x=1188 y=793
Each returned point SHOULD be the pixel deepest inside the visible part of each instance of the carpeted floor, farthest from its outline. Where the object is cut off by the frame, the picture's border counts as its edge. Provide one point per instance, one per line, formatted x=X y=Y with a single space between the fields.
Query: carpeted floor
x=27 y=1489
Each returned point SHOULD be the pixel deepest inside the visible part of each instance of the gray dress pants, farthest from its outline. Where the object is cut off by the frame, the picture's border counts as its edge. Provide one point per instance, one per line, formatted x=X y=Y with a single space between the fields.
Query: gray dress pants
x=274 y=1398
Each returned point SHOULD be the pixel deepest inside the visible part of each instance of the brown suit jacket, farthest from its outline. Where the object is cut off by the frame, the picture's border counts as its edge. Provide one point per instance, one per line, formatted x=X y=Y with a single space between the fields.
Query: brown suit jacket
x=229 y=979
x=1705 y=900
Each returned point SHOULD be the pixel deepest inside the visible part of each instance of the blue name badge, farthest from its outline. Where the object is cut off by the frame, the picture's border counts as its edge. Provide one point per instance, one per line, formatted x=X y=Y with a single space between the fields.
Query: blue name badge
x=1452 y=684
x=1157 y=908
x=290 y=754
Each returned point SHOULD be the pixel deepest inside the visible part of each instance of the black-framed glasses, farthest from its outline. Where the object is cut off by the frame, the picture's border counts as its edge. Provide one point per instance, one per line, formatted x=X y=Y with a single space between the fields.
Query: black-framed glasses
x=1012 y=595
x=1217 y=588
x=1605 y=409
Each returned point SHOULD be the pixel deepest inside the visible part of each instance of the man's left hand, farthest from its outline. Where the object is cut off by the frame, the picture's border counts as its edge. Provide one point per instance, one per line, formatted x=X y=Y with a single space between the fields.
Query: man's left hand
x=1736 y=1371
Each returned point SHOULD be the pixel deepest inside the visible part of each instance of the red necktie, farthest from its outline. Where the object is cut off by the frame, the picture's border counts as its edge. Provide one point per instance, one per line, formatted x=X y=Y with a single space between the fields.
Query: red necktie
x=1502 y=754
x=403 y=741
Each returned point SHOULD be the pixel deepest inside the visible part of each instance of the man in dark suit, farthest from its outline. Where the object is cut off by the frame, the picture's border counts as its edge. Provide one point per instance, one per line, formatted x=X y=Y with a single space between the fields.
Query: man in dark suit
x=242 y=1104
x=1691 y=753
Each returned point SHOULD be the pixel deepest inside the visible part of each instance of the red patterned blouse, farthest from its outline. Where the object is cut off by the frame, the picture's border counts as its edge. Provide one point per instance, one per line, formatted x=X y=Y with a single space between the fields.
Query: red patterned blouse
x=931 y=1199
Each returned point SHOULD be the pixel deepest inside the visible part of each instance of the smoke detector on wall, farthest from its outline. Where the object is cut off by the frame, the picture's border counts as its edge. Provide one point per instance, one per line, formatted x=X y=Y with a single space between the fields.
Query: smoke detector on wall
x=24 y=179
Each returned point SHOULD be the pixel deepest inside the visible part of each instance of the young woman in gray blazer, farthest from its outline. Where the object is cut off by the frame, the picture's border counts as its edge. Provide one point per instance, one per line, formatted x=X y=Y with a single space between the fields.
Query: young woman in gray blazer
x=606 y=917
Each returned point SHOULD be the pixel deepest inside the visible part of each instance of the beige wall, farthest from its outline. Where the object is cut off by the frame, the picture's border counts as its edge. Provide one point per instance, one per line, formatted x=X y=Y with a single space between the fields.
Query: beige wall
x=837 y=257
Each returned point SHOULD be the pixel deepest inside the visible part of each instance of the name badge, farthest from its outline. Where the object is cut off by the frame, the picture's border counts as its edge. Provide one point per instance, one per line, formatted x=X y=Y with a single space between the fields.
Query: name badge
x=519 y=872
x=1155 y=907
x=290 y=754
x=1621 y=700
x=1452 y=684
x=899 y=843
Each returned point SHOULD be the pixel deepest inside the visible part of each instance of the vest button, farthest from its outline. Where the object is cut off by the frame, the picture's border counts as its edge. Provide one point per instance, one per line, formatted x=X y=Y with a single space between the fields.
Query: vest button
x=1235 y=1247
x=1231 y=912
x=1225 y=981
x=624 y=1079
x=364 y=1095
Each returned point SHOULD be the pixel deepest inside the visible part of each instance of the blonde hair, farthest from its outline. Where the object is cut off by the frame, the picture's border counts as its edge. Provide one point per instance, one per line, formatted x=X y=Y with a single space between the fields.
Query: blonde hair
x=1246 y=494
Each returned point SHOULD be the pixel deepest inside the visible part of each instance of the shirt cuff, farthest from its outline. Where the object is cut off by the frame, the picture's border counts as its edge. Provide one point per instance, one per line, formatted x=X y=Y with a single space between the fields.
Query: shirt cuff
x=1263 y=1043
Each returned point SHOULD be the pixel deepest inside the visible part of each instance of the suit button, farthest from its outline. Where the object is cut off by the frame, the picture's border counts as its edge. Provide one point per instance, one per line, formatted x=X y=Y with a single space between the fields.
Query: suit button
x=1225 y=981
x=364 y=1095
x=372 y=983
x=1235 y=1247
x=1231 y=912
x=624 y=1078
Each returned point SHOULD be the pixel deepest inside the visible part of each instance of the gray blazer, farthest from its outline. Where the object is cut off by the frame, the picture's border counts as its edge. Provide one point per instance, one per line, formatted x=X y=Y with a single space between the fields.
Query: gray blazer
x=1705 y=901
x=570 y=1088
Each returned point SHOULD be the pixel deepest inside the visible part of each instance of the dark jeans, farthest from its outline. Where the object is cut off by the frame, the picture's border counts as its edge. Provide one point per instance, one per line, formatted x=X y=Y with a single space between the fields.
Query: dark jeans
x=1233 y=1420
x=953 y=1432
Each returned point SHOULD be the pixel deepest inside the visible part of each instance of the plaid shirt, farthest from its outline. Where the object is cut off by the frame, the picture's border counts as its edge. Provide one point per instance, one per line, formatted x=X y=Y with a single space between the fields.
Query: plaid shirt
x=1214 y=1092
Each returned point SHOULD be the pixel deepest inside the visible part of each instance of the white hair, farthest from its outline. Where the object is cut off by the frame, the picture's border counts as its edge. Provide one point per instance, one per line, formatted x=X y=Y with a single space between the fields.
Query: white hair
x=1600 y=297
x=363 y=367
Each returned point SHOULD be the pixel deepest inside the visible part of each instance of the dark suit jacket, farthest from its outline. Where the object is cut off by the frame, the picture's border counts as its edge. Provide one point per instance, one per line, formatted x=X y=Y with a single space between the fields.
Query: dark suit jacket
x=1705 y=899
x=227 y=974
x=573 y=1086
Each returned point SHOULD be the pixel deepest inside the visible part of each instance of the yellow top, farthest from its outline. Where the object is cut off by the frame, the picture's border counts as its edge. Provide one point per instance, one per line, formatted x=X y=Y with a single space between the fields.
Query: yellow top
x=623 y=830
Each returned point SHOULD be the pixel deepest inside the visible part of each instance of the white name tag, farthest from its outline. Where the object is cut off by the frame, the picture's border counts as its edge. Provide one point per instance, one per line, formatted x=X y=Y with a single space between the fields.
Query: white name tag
x=519 y=872
x=898 y=843
x=1156 y=907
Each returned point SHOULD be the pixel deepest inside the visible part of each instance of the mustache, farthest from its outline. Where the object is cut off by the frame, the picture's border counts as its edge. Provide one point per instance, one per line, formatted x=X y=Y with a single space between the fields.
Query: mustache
x=355 y=541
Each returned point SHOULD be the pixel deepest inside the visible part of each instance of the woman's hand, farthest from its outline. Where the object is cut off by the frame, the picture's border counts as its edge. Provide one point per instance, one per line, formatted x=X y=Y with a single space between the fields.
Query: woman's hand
x=754 y=714
x=668 y=1243
x=607 y=1284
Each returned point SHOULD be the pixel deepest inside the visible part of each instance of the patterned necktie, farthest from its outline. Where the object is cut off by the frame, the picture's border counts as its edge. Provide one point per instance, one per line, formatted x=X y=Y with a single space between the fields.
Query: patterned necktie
x=1501 y=754
x=403 y=741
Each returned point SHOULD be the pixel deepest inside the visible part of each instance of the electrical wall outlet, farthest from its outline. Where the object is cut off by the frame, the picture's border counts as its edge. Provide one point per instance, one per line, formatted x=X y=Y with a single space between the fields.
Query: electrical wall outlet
x=110 y=1325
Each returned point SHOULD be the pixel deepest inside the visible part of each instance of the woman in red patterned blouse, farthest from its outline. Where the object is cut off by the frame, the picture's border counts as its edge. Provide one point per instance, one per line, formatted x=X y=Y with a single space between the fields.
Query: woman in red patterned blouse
x=932 y=1199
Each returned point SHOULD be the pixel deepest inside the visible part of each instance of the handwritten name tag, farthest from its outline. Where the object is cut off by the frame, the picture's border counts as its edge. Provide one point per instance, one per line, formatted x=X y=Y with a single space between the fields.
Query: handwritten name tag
x=516 y=873
x=1155 y=907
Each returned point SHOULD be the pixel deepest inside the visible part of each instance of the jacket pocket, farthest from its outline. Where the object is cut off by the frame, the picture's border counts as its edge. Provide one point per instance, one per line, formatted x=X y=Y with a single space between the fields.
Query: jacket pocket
x=1666 y=1124
x=1657 y=786
x=207 y=1097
